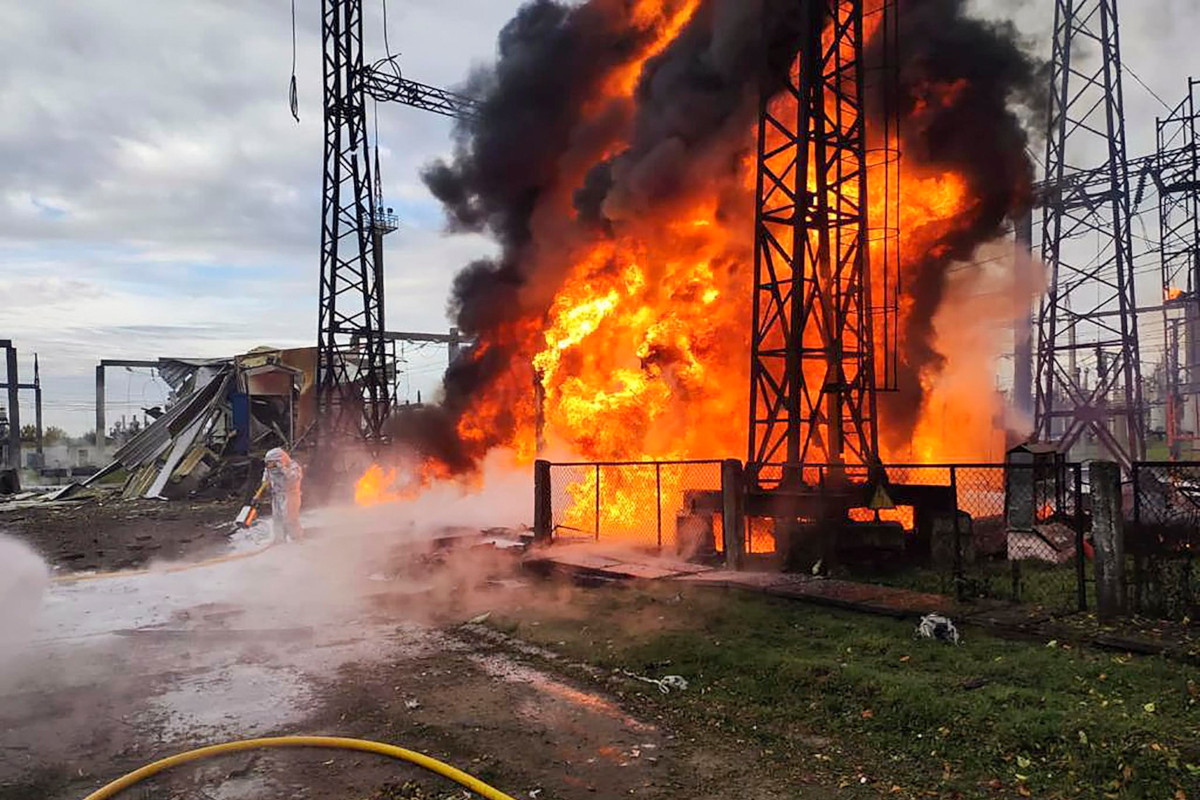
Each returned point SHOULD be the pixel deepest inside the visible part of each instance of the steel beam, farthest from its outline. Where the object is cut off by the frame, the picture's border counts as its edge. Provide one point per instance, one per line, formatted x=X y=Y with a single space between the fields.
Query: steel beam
x=14 y=411
x=388 y=87
x=453 y=340
x=101 y=423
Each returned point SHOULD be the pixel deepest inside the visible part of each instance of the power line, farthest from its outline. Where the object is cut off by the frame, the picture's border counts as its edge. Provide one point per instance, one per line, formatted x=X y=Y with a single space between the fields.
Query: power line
x=1142 y=83
x=293 y=96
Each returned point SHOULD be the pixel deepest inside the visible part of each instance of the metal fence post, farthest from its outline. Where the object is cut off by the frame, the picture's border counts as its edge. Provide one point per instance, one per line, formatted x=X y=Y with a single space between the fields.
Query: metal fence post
x=733 y=518
x=658 y=498
x=597 y=502
x=1138 y=594
x=959 y=579
x=543 y=513
x=1108 y=534
x=1080 y=556
x=1137 y=496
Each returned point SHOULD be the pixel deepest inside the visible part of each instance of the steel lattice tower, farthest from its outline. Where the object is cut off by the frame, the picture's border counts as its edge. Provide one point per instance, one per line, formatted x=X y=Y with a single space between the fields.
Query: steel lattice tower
x=352 y=382
x=1089 y=311
x=812 y=392
x=354 y=366
x=1177 y=175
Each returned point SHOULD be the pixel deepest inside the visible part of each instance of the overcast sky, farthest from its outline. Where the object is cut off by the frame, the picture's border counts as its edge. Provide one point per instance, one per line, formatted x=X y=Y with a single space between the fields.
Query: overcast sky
x=158 y=198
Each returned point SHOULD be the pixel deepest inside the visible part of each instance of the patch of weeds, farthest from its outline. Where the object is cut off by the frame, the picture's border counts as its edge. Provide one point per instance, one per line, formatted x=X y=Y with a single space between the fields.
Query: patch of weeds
x=1034 y=719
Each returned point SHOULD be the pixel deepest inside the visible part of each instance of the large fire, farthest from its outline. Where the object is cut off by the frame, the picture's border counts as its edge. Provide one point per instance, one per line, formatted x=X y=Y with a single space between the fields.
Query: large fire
x=643 y=353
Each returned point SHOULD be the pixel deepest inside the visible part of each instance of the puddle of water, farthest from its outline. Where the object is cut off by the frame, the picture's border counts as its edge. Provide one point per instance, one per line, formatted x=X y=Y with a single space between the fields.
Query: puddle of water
x=244 y=699
x=593 y=703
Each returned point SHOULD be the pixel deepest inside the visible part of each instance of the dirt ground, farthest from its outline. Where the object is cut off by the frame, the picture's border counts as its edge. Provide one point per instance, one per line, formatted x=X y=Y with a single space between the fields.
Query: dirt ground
x=110 y=533
x=354 y=632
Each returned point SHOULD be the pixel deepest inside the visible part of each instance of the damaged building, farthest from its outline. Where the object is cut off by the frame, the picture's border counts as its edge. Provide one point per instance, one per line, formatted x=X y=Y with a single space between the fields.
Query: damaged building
x=224 y=414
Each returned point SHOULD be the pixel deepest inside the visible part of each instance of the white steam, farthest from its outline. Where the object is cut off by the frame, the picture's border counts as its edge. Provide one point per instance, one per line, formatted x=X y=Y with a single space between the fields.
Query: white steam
x=24 y=577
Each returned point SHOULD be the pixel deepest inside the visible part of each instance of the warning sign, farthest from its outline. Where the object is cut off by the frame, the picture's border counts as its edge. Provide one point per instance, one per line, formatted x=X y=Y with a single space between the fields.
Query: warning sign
x=881 y=498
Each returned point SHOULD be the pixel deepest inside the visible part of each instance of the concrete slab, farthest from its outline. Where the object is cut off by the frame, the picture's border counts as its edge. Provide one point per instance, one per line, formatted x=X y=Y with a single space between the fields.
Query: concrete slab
x=757 y=581
x=614 y=562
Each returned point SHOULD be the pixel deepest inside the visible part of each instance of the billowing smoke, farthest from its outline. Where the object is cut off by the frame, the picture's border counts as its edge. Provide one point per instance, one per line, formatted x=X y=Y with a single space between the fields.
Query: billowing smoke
x=540 y=146
x=556 y=160
x=959 y=83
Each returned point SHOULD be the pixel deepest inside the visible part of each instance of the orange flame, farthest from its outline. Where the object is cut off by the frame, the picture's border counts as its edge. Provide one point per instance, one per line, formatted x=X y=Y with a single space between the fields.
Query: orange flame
x=643 y=353
x=377 y=486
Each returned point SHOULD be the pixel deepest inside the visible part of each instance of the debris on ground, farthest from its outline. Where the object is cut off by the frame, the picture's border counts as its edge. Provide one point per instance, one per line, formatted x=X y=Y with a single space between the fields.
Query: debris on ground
x=936 y=626
x=107 y=533
x=665 y=684
x=411 y=790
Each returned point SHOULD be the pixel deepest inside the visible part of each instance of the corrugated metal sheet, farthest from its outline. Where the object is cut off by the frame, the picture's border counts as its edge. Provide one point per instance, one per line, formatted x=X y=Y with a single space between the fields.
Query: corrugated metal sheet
x=177 y=371
x=147 y=446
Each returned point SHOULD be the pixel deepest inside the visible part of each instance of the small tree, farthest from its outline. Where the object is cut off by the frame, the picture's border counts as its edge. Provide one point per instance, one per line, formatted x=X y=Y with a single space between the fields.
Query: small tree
x=51 y=435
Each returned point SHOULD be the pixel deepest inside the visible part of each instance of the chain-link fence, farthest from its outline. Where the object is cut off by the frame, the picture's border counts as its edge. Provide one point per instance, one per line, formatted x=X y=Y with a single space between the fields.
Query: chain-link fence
x=1013 y=533
x=1162 y=540
x=660 y=505
x=1022 y=532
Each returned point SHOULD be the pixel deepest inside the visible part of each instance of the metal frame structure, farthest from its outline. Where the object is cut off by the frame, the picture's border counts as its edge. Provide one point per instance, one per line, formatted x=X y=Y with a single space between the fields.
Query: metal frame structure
x=353 y=394
x=812 y=393
x=12 y=386
x=386 y=86
x=1090 y=307
x=453 y=341
x=1177 y=178
x=101 y=368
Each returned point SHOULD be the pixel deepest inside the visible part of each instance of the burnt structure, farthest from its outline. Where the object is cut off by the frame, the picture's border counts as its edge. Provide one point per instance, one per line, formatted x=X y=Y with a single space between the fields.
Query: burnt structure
x=813 y=376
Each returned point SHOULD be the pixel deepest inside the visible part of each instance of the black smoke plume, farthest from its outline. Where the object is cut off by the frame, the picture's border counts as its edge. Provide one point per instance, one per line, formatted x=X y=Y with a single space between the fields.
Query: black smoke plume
x=539 y=147
x=960 y=83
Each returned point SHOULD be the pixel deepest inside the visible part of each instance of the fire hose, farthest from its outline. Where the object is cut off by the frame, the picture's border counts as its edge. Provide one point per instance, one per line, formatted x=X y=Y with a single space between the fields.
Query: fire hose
x=469 y=782
x=125 y=573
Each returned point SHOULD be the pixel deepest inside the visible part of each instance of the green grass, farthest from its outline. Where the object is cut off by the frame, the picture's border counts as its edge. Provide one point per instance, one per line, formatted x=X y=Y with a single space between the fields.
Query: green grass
x=851 y=696
x=1051 y=586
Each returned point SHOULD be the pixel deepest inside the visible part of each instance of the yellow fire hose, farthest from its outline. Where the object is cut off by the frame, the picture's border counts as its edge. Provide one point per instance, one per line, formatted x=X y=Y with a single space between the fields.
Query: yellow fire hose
x=329 y=742
x=125 y=573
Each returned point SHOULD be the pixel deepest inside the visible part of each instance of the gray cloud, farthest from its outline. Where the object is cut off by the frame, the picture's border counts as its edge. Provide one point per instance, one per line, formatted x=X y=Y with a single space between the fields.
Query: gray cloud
x=157 y=198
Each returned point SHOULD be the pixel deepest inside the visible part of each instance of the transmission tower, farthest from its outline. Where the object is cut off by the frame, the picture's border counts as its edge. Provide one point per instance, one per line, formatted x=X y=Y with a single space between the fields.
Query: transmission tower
x=1088 y=315
x=353 y=365
x=813 y=369
x=1177 y=175
x=352 y=376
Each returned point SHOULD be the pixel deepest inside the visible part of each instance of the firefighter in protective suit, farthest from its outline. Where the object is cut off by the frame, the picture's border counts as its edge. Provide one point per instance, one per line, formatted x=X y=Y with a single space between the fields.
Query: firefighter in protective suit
x=283 y=476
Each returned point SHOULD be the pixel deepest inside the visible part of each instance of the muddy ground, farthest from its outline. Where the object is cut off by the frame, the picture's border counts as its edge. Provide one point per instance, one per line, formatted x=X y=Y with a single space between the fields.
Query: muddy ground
x=109 y=533
x=360 y=631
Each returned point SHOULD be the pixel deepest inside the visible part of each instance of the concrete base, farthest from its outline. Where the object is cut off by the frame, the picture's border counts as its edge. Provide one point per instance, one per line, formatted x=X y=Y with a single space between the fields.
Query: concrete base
x=949 y=547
